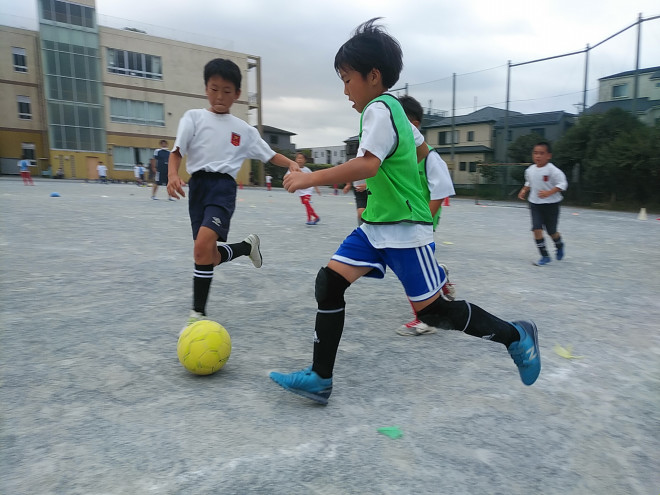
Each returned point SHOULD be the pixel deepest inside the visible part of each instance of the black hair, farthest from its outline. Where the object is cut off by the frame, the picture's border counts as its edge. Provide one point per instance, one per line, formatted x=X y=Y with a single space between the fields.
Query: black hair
x=412 y=108
x=544 y=143
x=369 y=48
x=224 y=68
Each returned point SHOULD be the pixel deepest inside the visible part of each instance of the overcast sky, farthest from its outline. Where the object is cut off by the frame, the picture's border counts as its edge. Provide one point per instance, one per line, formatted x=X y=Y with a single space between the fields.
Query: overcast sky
x=297 y=42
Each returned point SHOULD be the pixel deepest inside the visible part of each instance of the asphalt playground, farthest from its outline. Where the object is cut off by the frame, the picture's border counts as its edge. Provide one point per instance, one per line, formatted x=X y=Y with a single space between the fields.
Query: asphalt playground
x=96 y=284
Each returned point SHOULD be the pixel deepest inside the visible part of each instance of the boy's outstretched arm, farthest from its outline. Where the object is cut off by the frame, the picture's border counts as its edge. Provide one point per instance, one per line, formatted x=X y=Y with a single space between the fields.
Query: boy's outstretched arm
x=174 y=182
x=284 y=162
x=362 y=167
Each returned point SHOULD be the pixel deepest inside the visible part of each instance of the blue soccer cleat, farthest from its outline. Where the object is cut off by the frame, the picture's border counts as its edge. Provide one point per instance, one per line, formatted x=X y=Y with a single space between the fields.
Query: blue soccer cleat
x=525 y=352
x=543 y=261
x=560 y=253
x=306 y=383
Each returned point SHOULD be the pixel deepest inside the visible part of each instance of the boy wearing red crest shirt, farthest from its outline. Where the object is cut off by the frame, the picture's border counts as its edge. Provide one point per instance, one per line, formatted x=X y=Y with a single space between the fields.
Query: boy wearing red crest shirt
x=216 y=143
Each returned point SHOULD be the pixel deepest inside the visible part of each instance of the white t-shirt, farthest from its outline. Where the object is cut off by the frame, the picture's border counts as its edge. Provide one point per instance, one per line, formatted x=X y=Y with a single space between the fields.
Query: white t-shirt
x=102 y=170
x=543 y=179
x=379 y=138
x=136 y=171
x=218 y=142
x=309 y=190
x=438 y=177
x=269 y=179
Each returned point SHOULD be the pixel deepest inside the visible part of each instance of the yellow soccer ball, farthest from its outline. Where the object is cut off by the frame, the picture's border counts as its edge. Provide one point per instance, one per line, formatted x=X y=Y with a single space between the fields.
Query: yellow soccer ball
x=204 y=347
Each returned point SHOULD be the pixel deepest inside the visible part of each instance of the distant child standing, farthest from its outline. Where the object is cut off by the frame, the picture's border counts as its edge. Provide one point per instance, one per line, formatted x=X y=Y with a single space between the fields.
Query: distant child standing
x=103 y=173
x=544 y=182
x=159 y=166
x=306 y=194
x=269 y=182
x=24 y=167
x=398 y=226
x=216 y=143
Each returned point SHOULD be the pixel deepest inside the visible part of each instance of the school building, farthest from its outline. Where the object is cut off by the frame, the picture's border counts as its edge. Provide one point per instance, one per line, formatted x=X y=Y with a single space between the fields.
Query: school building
x=74 y=94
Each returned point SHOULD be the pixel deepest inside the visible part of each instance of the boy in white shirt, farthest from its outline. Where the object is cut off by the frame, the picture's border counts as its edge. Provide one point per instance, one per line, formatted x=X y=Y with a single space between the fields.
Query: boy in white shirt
x=216 y=143
x=544 y=182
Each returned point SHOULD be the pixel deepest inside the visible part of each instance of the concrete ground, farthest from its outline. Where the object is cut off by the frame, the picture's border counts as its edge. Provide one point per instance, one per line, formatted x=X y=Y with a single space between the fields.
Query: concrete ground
x=96 y=285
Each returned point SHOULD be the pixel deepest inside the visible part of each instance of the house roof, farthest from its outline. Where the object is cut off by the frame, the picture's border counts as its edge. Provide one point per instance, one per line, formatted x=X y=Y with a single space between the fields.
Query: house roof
x=632 y=73
x=486 y=114
x=275 y=130
x=643 y=104
x=526 y=120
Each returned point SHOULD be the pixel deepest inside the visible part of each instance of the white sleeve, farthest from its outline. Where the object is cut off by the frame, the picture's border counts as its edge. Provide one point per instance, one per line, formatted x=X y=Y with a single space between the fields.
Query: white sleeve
x=419 y=139
x=378 y=133
x=259 y=149
x=438 y=178
x=560 y=179
x=527 y=183
x=184 y=133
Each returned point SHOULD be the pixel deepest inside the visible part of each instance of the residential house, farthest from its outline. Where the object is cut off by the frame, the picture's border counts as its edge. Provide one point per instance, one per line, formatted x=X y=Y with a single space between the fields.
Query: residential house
x=473 y=140
x=278 y=139
x=331 y=155
x=548 y=125
x=618 y=91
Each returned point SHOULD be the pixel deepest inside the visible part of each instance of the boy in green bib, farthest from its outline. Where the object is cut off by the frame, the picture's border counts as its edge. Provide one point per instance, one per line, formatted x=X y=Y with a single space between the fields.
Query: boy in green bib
x=398 y=226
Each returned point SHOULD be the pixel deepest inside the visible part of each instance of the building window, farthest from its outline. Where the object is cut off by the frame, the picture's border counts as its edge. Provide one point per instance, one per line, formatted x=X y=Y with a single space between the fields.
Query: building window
x=444 y=137
x=125 y=158
x=20 y=60
x=28 y=151
x=620 y=90
x=68 y=13
x=136 y=112
x=462 y=166
x=134 y=64
x=473 y=166
x=470 y=136
x=540 y=131
x=24 y=108
x=273 y=139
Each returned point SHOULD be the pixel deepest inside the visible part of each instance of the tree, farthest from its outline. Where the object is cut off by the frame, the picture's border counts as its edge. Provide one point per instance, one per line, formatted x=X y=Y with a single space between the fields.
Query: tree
x=520 y=151
x=616 y=152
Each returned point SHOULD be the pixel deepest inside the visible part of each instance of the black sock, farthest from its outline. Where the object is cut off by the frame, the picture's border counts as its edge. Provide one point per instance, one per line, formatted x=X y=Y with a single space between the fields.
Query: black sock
x=470 y=319
x=201 y=286
x=230 y=251
x=558 y=243
x=540 y=244
x=329 y=292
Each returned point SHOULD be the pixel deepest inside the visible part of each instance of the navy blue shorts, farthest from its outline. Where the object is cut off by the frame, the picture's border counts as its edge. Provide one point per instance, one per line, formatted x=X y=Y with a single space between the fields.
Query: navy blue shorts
x=361 y=199
x=416 y=268
x=211 y=202
x=545 y=214
x=161 y=177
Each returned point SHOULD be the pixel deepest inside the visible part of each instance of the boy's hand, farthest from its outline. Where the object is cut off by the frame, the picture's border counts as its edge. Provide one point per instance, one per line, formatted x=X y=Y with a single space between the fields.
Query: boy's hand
x=293 y=166
x=175 y=186
x=296 y=180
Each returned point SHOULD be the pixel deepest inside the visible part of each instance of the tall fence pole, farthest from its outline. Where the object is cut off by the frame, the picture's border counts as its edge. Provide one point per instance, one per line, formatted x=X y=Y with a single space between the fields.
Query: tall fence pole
x=506 y=113
x=636 y=79
x=586 y=78
x=453 y=115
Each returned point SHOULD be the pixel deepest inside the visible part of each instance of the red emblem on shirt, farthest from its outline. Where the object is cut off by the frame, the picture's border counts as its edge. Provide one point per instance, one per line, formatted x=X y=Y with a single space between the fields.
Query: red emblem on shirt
x=545 y=178
x=235 y=139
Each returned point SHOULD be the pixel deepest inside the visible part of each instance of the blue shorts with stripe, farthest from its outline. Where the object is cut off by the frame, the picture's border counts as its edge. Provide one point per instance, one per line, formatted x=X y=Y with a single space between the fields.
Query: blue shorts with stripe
x=416 y=268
